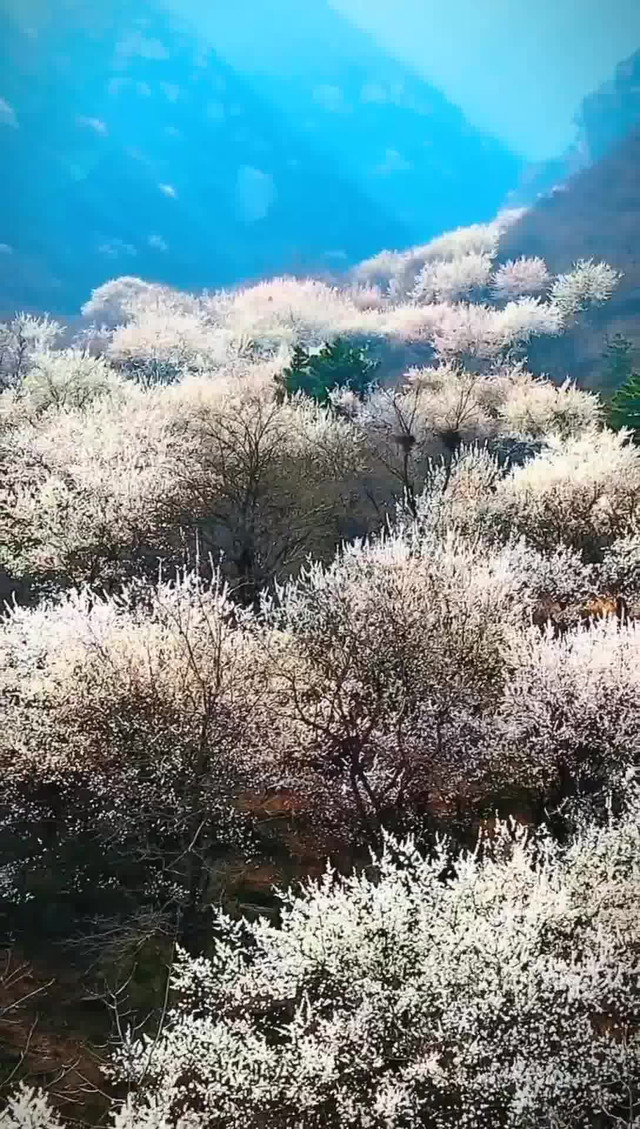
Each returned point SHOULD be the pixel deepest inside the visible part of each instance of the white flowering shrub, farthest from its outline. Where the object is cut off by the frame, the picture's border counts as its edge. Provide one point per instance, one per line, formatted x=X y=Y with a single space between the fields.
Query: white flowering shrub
x=581 y=492
x=505 y=995
x=90 y=490
x=397 y=271
x=571 y=712
x=520 y=277
x=285 y=312
x=368 y=297
x=620 y=567
x=537 y=407
x=476 y=239
x=127 y=729
x=96 y=495
x=29 y=1109
x=479 y=331
x=434 y=411
x=588 y=284
x=116 y=301
x=20 y=339
x=386 y=665
x=523 y=319
x=158 y=345
x=266 y=483
x=379 y=269
x=559 y=575
x=439 y=408
x=59 y=379
x=453 y=280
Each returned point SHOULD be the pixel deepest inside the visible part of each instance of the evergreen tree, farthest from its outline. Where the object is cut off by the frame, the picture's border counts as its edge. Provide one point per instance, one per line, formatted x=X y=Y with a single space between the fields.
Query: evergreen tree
x=625 y=405
x=338 y=364
x=619 y=371
x=618 y=360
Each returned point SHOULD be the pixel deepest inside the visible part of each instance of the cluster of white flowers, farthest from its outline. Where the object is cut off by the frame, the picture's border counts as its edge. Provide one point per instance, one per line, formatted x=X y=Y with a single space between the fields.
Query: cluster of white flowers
x=20 y=339
x=506 y=995
x=588 y=284
x=519 y=277
x=581 y=491
x=117 y=301
x=60 y=379
x=470 y=331
x=422 y=295
x=29 y=1109
x=572 y=705
x=539 y=407
x=452 y=280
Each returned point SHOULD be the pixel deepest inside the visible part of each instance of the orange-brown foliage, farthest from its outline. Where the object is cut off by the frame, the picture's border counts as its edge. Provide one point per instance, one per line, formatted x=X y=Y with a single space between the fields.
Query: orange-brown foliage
x=601 y=606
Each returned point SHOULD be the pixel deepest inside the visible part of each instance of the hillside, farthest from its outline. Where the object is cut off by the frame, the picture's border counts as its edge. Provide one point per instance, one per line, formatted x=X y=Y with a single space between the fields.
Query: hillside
x=595 y=215
x=183 y=165
x=262 y=614
x=411 y=150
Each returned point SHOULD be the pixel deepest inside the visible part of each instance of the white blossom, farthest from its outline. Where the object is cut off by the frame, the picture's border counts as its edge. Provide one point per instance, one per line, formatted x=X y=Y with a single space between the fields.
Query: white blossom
x=588 y=284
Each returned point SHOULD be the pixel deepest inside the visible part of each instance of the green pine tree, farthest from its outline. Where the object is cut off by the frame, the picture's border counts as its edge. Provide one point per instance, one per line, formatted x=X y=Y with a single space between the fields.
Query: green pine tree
x=338 y=364
x=625 y=405
x=623 y=382
x=618 y=361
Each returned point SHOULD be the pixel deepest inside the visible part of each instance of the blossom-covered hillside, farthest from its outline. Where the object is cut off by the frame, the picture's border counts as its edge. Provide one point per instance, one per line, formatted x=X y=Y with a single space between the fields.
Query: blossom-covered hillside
x=596 y=213
x=301 y=574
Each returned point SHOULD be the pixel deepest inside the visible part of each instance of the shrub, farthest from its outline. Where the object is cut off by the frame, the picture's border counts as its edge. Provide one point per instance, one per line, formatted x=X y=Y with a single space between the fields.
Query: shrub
x=505 y=996
x=68 y=378
x=619 y=570
x=20 y=339
x=519 y=277
x=29 y=1109
x=537 y=408
x=126 y=734
x=90 y=491
x=439 y=408
x=158 y=346
x=387 y=662
x=453 y=280
x=117 y=301
x=588 y=284
x=571 y=712
x=102 y=494
x=582 y=492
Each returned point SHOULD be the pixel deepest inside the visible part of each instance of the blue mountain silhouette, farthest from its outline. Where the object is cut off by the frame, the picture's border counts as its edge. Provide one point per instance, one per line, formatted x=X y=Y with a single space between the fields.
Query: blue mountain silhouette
x=137 y=142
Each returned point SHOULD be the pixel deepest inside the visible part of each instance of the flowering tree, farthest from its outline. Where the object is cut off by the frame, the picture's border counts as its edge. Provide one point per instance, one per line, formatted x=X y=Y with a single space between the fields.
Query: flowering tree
x=504 y=995
x=386 y=667
x=20 y=338
x=128 y=730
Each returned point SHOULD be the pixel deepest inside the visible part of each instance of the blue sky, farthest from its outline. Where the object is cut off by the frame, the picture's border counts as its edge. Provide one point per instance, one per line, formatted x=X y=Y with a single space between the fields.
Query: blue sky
x=518 y=68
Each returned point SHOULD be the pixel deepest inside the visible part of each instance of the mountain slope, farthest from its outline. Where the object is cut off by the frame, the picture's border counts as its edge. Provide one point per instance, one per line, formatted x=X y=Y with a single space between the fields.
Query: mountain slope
x=604 y=119
x=133 y=144
x=396 y=135
x=111 y=172
x=596 y=215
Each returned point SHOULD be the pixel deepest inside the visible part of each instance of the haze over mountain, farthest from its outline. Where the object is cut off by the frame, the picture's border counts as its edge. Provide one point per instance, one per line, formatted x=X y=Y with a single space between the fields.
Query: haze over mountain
x=139 y=143
x=594 y=213
x=516 y=69
x=603 y=119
